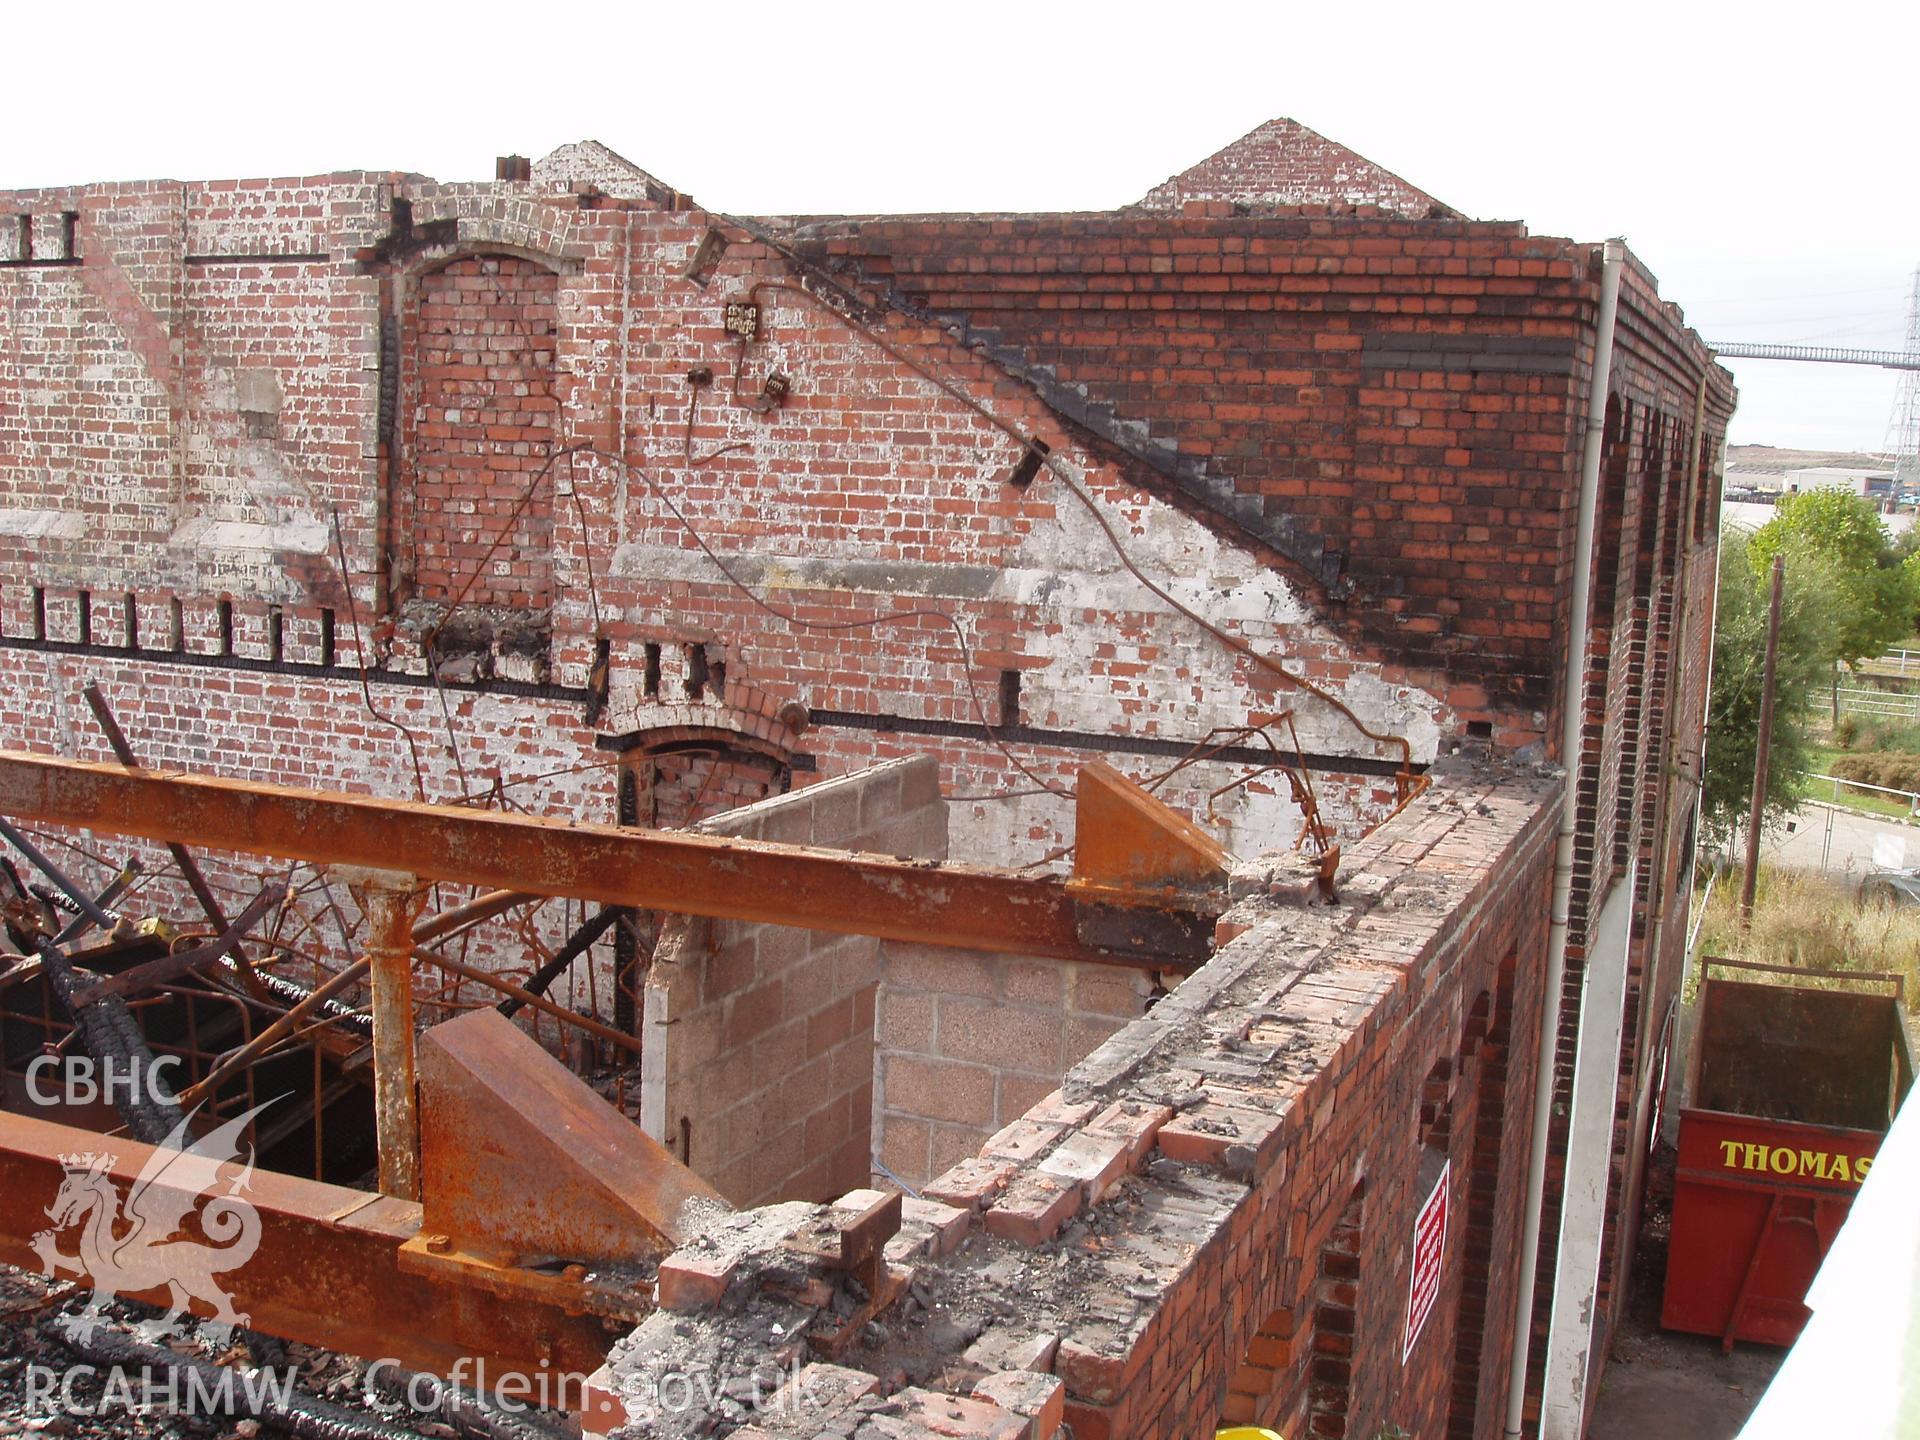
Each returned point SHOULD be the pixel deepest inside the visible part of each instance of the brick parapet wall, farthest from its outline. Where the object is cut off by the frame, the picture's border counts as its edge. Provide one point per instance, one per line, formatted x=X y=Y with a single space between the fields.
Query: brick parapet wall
x=1157 y=1220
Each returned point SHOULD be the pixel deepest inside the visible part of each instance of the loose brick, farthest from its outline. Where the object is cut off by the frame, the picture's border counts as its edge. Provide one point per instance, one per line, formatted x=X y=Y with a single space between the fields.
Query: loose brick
x=1135 y=1122
x=693 y=1279
x=1041 y=1398
x=948 y=1222
x=959 y=1419
x=970 y=1184
x=1244 y=1141
x=1006 y=1347
x=1032 y=1208
x=1089 y=1160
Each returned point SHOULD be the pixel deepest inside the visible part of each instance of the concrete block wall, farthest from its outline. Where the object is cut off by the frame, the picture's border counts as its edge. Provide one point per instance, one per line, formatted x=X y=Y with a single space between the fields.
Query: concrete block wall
x=796 y=1057
x=968 y=1043
x=758 y=1040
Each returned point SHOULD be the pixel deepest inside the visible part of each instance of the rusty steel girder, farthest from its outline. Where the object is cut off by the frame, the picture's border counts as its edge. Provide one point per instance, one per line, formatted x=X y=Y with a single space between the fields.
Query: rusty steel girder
x=325 y=1271
x=522 y=1164
x=1136 y=917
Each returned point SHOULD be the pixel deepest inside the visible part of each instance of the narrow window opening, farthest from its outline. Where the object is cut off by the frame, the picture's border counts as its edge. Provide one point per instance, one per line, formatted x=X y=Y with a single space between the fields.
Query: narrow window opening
x=276 y=633
x=696 y=671
x=1335 y=1320
x=650 y=678
x=132 y=613
x=226 y=627
x=1028 y=464
x=326 y=638
x=1009 y=698
x=177 y=626
x=626 y=943
x=1436 y=1107
x=84 y=600
x=717 y=676
x=39 y=612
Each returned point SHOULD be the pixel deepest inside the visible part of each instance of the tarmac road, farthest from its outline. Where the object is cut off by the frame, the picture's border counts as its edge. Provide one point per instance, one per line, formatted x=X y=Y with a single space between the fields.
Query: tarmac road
x=1844 y=843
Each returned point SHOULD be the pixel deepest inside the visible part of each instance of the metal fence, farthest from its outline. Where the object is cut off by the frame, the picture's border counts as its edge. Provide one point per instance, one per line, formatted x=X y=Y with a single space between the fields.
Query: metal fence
x=1896 y=662
x=1885 y=704
x=1911 y=797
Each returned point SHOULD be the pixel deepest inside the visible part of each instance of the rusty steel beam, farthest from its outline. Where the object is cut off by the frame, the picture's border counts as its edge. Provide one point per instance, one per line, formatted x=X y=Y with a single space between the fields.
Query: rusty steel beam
x=692 y=874
x=324 y=1272
x=189 y=869
x=522 y=1162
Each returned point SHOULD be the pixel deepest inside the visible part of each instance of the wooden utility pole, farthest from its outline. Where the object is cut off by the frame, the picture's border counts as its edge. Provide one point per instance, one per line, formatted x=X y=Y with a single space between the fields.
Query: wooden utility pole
x=1763 y=744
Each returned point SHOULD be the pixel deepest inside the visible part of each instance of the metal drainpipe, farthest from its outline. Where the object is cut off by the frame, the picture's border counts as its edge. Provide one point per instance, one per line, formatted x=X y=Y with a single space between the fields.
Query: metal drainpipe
x=1573 y=713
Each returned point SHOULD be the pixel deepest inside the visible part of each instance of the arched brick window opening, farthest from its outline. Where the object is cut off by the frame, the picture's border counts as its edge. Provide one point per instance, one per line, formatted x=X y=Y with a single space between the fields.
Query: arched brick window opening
x=479 y=415
x=1297 y=1373
x=672 y=777
x=1473 y=1031
x=1335 y=1316
x=1435 y=1125
x=1484 y=1076
x=1643 y=719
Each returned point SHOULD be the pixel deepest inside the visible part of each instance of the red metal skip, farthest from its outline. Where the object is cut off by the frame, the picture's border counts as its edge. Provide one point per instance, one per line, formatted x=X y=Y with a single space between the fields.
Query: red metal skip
x=1756 y=1203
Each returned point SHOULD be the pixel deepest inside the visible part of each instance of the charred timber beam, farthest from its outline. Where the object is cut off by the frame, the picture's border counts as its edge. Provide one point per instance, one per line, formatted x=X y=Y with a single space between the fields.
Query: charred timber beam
x=577 y=945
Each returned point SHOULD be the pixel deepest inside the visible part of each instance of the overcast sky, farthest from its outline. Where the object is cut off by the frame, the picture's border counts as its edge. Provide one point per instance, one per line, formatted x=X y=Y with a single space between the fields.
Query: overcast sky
x=1759 y=158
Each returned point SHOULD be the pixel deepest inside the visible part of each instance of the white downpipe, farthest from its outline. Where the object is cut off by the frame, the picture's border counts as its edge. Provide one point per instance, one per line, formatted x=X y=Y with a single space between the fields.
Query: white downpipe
x=1573 y=711
x=1583 y=1202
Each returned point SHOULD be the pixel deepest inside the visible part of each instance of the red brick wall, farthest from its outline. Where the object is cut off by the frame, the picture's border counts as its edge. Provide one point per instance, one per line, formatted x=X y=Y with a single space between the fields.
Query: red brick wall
x=1213 y=1218
x=1387 y=405
x=874 y=490
x=1370 y=1022
x=480 y=410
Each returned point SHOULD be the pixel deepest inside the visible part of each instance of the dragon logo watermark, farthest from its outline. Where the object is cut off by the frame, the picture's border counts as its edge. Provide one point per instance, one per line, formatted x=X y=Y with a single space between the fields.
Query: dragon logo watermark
x=181 y=1223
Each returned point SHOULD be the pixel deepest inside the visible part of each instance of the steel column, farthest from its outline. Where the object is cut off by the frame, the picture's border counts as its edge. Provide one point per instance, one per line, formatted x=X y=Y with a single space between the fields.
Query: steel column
x=391 y=902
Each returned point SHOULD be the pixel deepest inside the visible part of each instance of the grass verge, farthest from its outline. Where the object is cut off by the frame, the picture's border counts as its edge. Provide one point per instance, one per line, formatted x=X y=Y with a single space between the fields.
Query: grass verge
x=1808 y=922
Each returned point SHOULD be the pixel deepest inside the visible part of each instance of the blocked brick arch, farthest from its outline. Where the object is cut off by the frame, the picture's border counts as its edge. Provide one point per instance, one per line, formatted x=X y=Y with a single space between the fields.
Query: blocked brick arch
x=478 y=423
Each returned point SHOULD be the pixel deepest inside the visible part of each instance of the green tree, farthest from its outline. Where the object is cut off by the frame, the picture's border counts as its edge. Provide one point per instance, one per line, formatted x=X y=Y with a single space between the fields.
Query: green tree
x=1809 y=640
x=1875 y=583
